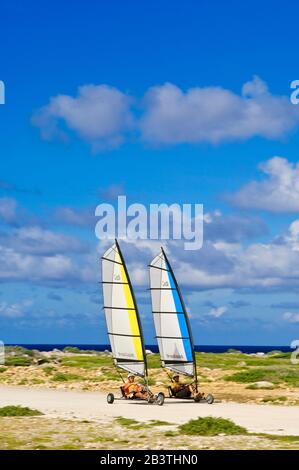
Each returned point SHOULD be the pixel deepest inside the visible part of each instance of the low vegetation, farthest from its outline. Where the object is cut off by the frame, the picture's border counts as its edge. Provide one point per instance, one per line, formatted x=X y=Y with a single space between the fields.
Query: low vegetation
x=87 y=362
x=53 y=433
x=60 y=377
x=210 y=426
x=274 y=374
x=133 y=424
x=231 y=376
x=274 y=399
x=18 y=411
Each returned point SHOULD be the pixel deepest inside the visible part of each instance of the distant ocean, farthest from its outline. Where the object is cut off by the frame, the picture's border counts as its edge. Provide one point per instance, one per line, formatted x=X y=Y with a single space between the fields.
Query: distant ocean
x=154 y=348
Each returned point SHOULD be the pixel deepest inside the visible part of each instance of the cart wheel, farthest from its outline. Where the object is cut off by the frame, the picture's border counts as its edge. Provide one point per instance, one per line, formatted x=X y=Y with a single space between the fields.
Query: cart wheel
x=160 y=399
x=110 y=398
x=210 y=399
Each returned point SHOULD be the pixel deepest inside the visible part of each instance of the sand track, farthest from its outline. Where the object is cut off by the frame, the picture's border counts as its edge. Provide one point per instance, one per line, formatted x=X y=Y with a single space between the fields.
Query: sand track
x=270 y=419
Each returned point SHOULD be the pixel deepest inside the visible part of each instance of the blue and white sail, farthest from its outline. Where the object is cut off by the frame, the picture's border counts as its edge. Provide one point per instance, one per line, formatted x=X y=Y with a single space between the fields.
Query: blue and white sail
x=171 y=320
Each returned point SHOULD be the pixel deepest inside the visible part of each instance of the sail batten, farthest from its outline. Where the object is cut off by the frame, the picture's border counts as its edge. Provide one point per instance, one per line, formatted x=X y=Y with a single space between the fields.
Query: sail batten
x=121 y=313
x=172 y=327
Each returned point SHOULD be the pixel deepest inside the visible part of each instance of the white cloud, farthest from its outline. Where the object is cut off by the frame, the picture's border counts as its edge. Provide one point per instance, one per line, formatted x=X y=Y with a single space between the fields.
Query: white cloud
x=39 y=241
x=217 y=311
x=15 y=310
x=46 y=269
x=278 y=192
x=232 y=227
x=215 y=114
x=222 y=264
x=103 y=115
x=99 y=114
x=8 y=207
x=291 y=317
x=291 y=237
x=74 y=216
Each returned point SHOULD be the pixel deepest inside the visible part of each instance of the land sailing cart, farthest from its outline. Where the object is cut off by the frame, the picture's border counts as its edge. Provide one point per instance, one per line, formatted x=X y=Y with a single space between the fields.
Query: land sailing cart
x=173 y=331
x=123 y=323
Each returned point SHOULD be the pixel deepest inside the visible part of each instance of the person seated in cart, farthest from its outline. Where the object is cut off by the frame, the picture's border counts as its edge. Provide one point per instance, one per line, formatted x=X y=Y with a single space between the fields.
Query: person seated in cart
x=181 y=390
x=133 y=390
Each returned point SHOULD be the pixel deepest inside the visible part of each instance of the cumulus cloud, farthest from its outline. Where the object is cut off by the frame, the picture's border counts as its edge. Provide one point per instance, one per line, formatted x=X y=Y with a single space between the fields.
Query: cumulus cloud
x=291 y=236
x=220 y=264
x=103 y=115
x=214 y=114
x=40 y=256
x=291 y=317
x=100 y=114
x=39 y=241
x=277 y=192
x=217 y=312
x=56 y=270
x=18 y=266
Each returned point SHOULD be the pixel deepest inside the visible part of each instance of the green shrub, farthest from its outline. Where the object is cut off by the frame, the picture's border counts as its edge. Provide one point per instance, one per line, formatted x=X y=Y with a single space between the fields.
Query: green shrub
x=126 y=422
x=210 y=426
x=153 y=361
x=274 y=374
x=15 y=361
x=61 y=377
x=254 y=375
x=18 y=411
x=273 y=399
x=48 y=370
x=87 y=362
x=19 y=350
x=72 y=349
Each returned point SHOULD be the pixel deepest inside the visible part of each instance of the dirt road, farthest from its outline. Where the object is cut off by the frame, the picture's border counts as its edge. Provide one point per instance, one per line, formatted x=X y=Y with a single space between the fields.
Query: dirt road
x=93 y=406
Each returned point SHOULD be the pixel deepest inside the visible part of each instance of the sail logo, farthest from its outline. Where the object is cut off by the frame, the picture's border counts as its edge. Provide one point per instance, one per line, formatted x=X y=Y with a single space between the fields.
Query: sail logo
x=154 y=222
x=126 y=354
x=2 y=92
x=2 y=353
x=174 y=356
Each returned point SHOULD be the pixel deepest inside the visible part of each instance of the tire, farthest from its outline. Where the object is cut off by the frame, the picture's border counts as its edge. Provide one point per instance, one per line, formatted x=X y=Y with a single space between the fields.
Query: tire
x=110 y=398
x=160 y=399
x=210 y=399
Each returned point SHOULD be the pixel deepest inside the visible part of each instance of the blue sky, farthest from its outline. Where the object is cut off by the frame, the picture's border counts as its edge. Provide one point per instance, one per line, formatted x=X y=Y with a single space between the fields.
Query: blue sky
x=164 y=102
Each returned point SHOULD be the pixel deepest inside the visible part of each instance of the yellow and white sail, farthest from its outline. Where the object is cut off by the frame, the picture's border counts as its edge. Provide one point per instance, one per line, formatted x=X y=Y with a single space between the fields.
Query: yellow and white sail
x=122 y=317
